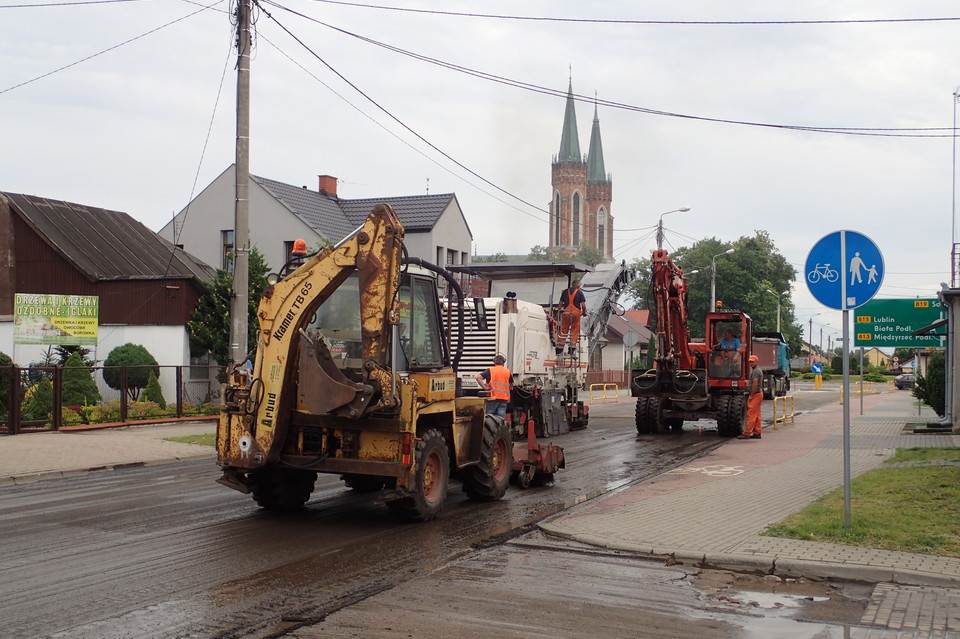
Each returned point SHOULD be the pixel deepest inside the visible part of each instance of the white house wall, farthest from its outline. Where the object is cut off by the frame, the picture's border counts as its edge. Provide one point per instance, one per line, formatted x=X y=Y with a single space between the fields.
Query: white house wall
x=271 y=224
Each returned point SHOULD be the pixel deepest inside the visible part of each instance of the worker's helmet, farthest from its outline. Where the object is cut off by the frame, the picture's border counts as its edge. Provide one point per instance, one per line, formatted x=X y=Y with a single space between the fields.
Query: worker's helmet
x=754 y=358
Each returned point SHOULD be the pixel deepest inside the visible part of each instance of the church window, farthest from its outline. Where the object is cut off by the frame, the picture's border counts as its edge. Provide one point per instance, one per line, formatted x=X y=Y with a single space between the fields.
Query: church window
x=556 y=219
x=601 y=231
x=576 y=219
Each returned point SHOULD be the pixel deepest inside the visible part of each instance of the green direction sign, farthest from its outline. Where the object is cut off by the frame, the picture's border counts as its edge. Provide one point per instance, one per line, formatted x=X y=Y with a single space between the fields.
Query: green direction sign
x=889 y=323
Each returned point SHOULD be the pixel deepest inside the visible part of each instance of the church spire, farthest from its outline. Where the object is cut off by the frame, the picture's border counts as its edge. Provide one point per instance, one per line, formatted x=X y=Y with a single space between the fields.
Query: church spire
x=595 y=169
x=569 y=140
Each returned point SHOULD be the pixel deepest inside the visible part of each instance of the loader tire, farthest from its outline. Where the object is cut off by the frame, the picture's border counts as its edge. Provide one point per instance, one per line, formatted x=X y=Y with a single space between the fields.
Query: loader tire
x=282 y=489
x=731 y=415
x=488 y=480
x=431 y=477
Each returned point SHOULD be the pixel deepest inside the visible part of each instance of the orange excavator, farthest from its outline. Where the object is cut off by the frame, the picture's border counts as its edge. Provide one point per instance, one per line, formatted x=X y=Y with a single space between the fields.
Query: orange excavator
x=690 y=380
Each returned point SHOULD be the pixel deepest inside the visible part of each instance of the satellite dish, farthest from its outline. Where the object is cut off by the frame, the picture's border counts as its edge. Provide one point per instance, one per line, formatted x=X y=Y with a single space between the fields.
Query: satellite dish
x=630 y=339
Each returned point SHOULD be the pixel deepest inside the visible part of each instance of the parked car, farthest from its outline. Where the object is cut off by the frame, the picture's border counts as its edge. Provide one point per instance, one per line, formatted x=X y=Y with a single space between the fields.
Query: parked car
x=906 y=380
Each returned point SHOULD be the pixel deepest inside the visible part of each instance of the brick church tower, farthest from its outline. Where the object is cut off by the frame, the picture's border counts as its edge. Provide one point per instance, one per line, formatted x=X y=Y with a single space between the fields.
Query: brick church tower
x=582 y=190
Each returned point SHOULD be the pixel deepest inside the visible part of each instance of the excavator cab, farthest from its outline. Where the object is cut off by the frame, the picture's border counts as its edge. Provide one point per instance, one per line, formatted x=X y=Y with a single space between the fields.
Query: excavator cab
x=729 y=339
x=419 y=336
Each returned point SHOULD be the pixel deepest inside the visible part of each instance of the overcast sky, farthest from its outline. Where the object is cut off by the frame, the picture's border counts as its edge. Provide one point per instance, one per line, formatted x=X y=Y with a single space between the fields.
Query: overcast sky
x=128 y=129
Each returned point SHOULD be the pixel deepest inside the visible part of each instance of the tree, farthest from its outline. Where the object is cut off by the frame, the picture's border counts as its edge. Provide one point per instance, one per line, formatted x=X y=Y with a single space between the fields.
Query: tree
x=6 y=371
x=742 y=280
x=63 y=353
x=209 y=326
x=139 y=363
x=496 y=257
x=540 y=253
x=79 y=389
x=931 y=389
x=153 y=392
x=38 y=400
x=589 y=255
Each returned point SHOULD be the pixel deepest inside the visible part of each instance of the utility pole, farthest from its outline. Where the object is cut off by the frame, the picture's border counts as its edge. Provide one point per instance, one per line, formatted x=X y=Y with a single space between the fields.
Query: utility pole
x=241 y=224
x=810 y=339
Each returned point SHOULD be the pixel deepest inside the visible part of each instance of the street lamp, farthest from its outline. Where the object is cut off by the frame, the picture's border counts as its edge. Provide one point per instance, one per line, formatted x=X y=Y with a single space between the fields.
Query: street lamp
x=778 y=305
x=713 y=280
x=660 y=225
x=810 y=335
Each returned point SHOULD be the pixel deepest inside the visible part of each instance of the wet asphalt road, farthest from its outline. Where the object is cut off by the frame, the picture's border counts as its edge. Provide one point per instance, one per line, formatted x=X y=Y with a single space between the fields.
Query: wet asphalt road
x=164 y=551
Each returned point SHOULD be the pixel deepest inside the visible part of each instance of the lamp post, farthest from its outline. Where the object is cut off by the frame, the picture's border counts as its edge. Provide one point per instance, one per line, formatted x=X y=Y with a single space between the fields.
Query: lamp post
x=660 y=225
x=778 y=305
x=810 y=335
x=713 y=280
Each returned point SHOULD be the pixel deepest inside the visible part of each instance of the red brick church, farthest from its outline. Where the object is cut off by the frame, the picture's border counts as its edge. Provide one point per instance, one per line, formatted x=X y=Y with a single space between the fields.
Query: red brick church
x=582 y=190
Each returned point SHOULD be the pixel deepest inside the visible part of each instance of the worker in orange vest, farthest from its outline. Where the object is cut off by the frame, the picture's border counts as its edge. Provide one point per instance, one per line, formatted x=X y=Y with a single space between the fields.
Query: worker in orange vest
x=754 y=400
x=496 y=379
x=573 y=306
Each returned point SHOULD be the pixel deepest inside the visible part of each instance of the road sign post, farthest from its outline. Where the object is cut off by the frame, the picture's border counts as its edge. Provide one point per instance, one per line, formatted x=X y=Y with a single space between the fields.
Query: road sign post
x=844 y=271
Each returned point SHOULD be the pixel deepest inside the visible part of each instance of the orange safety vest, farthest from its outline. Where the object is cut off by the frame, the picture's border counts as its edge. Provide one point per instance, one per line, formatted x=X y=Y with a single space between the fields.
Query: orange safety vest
x=500 y=383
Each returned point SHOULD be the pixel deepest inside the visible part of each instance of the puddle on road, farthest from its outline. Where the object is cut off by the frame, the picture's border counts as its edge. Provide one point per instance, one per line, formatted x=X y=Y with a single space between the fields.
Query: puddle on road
x=766 y=606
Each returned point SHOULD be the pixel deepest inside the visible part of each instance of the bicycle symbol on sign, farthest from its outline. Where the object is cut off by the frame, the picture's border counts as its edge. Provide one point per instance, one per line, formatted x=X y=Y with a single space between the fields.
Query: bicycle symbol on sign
x=824 y=271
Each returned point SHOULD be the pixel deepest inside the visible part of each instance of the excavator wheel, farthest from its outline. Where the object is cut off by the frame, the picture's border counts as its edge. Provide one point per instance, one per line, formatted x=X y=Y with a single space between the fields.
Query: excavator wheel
x=432 y=475
x=643 y=428
x=488 y=480
x=731 y=415
x=282 y=489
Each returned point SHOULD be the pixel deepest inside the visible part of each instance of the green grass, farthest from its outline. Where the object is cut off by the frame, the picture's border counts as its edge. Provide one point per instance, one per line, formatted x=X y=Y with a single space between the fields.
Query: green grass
x=925 y=454
x=913 y=508
x=209 y=439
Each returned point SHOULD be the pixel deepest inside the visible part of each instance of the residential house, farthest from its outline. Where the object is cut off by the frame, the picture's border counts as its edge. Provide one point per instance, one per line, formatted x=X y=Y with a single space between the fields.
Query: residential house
x=626 y=340
x=436 y=229
x=146 y=289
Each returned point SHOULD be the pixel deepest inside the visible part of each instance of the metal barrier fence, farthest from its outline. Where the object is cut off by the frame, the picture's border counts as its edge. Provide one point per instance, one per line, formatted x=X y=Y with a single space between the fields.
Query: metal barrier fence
x=865 y=388
x=610 y=391
x=32 y=398
x=786 y=413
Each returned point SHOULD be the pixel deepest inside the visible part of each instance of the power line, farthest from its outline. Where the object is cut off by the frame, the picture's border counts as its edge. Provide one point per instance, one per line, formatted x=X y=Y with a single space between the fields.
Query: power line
x=641 y=22
x=922 y=132
x=395 y=118
x=62 y=4
x=108 y=49
x=399 y=138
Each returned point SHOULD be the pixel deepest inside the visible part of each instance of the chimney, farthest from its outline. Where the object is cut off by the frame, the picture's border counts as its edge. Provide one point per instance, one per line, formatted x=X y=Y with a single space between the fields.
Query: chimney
x=328 y=185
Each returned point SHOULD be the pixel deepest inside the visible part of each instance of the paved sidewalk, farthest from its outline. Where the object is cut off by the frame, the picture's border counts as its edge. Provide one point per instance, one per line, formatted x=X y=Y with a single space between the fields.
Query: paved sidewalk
x=710 y=512
x=30 y=457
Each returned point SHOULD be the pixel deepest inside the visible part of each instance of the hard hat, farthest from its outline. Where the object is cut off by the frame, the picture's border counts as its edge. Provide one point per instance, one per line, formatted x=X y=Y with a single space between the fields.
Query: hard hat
x=754 y=358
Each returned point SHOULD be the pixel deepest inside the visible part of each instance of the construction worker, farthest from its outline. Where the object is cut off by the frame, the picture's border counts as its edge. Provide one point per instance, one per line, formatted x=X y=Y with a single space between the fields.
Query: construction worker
x=573 y=306
x=496 y=379
x=754 y=400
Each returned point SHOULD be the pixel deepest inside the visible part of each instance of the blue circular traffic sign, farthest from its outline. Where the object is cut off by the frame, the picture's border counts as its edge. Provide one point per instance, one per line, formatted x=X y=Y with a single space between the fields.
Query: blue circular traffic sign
x=816 y=368
x=844 y=270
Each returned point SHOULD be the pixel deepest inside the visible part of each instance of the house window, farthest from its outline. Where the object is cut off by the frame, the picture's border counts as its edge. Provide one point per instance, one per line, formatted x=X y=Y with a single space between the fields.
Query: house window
x=576 y=219
x=439 y=255
x=464 y=258
x=451 y=257
x=200 y=366
x=226 y=240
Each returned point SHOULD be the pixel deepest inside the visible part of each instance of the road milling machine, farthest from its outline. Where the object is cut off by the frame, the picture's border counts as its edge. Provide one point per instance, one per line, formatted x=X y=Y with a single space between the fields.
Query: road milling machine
x=519 y=321
x=691 y=381
x=353 y=376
